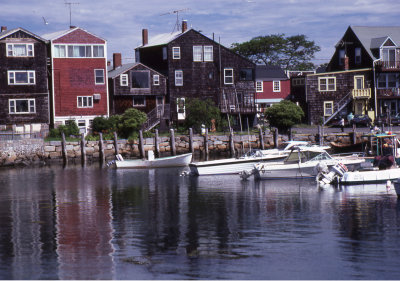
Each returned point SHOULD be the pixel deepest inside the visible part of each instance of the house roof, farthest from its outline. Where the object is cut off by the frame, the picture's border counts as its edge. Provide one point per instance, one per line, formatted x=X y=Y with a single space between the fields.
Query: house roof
x=163 y=38
x=61 y=33
x=113 y=73
x=11 y=31
x=270 y=72
x=372 y=37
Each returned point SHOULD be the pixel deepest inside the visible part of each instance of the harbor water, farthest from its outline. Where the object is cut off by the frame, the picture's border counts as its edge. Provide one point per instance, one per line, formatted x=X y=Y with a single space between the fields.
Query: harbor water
x=102 y=223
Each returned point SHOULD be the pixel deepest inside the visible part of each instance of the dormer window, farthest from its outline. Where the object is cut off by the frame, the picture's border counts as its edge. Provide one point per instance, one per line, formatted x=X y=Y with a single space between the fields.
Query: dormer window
x=388 y=56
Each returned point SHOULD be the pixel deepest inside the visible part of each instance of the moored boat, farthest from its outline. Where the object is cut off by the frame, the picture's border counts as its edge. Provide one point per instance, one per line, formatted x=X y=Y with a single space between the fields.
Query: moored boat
x=151 y=162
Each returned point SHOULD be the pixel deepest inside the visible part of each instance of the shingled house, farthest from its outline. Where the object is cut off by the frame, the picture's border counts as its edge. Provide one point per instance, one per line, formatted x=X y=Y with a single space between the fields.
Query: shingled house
x=198 y=67
x=24 y=95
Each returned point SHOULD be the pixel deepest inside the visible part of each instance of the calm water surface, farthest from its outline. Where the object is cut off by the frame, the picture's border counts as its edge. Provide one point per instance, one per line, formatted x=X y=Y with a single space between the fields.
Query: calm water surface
x=94 y=223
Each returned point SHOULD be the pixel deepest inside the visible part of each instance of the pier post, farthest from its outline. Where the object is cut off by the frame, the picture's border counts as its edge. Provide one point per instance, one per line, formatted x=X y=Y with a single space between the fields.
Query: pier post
x=83 y=150
x=156 y=144
x=290 y=134
x=115 y=144
x=231 y=144
x=354 y=136
x=172 y=142
x=141 y=145
x=261 y=139
x=64 y=149
x=320 y=137
x=191 y=149
x=276 y=138
x=206 y=143
x=101 y=148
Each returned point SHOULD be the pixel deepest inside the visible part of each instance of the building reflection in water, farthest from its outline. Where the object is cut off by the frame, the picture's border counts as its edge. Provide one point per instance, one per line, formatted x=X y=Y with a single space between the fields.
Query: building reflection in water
x=84 y=224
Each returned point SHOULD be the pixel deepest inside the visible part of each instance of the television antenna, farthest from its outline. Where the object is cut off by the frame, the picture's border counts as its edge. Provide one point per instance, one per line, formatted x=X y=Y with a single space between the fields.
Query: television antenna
x=177 y=25
x=70 y=10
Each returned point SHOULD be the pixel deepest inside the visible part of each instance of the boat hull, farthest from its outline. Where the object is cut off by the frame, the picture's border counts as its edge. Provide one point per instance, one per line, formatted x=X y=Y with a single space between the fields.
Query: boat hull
x=375 y=176
x=172 y=161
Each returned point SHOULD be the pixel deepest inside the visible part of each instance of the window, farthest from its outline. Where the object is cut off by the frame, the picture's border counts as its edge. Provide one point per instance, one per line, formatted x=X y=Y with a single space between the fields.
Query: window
x=178 y=78
x=123 y=78
x=164 y=53
x=246 y=74
x=21 y=77
x=357 y=55
x=259 y=86
x=298 y=81
x=326 y=84
x=208 y=53
x=59 y=51
x=176 y=53
x=358 y=82
x=21 y=106
x=387 y=80
x=79 y=51
x=328 y=108
x=139 y=101
x=156 y=80
x=20 y=50
x=197 y=53
x=276 y=86
x=99 y=76
x=341 y=57
x=81 y=123
x=85 y=102
x=98 y=51
x=140 y=79
x=228 y=76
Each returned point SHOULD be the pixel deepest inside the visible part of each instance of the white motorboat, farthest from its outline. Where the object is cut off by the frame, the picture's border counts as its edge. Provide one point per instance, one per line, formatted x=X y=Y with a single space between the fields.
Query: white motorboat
x=151 y=162
x=302 y=162
x=232 y=165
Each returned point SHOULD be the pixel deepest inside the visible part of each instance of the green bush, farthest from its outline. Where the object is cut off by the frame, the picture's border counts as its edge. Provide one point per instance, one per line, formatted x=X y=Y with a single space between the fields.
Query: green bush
x=200 y=112
x=71 y=129
x=130 y=123
x=284 y=115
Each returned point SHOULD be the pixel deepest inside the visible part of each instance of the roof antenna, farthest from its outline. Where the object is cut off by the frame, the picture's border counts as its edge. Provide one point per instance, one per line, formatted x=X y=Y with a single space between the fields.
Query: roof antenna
x=70 y=9
x=177 y=25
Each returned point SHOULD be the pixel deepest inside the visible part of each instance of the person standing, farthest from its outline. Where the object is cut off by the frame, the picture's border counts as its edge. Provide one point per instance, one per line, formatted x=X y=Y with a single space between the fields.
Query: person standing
x=342 y=124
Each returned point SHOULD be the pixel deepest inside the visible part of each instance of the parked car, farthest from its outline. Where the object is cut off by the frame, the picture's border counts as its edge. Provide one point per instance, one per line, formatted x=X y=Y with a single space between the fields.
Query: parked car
x=361 y=120
x=384 y=120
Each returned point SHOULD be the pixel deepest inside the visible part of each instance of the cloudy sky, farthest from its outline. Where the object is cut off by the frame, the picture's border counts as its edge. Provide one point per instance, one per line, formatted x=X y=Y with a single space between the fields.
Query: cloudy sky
x=120 y=21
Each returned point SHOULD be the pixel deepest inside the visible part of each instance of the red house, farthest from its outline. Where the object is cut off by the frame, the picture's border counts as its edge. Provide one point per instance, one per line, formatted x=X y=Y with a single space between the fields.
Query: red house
x=272 y=86
x=78 y=81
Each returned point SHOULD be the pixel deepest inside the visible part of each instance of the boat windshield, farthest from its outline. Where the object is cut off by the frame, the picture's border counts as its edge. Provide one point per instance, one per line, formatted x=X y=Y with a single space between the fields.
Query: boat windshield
x=296 y=156
x=321 y=156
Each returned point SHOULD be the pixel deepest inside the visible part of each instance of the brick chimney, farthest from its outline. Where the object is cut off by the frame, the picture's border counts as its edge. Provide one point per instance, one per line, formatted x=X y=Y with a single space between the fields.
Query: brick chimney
x=346 y=62
x=145 y=37
x=117 y=60
x=3 y=28
x=184 y=26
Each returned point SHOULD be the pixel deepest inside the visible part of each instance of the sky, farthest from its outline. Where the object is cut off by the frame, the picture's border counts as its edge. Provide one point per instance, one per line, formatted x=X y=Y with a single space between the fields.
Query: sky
x=120 y=22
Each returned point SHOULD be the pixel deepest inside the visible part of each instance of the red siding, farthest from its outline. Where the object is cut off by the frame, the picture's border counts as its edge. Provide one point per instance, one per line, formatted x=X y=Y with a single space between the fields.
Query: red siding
x=76 y=77
x=268 y=92
x=79 y=36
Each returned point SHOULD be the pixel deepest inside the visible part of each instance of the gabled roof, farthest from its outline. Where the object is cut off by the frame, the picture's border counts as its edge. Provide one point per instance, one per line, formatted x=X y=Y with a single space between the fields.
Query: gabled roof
x=113 y=73
x=61 y=33
x=11 y=31
x=372 y=37
x=163 y=39
x=270 y=72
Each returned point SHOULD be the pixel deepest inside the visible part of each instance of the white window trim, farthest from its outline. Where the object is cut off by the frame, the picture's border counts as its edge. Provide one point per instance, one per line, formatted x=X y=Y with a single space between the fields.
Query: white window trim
x=210 y=52
x=355 y=81
x=29 y=73
x=15 y=107
x=176 y=53
x=259 y=86
x=91 y=50
x=139 y=105
x=123 y=80
x=27 y=50
x=95 y=77
x=326 y=80
x=278 y=82
x=156 y=80
x=178 y=80
x=225 y=76
x=199 y=53
x=85 y=97
x=325 y=103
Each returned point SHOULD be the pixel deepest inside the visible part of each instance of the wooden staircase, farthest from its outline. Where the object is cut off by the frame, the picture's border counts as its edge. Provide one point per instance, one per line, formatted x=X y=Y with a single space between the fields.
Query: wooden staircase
x=154 y=116
x=339 y=106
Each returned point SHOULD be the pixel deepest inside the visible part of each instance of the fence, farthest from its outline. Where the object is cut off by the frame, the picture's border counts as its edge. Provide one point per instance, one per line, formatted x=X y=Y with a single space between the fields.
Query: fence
x=11 y=135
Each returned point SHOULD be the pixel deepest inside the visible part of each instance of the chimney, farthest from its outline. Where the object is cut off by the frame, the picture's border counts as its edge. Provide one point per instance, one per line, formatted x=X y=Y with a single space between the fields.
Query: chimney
x=184 y=26
x=3 y=28
x=346 y=62
x=145 y=37
x=72 y=26
x=117 y=60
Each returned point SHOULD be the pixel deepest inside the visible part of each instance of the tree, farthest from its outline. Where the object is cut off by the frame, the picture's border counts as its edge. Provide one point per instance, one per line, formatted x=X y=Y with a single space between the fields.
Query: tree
x=130 y=122
x=200 y=112
x=284 y=115
x=291 y=53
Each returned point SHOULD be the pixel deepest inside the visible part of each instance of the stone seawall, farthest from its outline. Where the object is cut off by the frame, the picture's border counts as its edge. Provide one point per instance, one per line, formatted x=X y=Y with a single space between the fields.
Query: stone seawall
x=27 y=151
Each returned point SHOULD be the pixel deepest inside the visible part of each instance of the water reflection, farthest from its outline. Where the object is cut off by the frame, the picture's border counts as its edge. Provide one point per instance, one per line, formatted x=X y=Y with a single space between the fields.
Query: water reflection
x=96 y=223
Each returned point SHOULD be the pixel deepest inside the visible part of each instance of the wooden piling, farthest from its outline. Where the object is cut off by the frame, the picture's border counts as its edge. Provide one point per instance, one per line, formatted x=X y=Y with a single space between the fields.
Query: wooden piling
x=261 y=139
x=116 y=151
x=141 y=145
x=231 y=144
x=64 y=149
x=156 y=144
x=191 y=148
x=354 y=136
x=83 y=150
x=276 y=138
x=101 y=148
x=206 y=143
x=172 y=142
